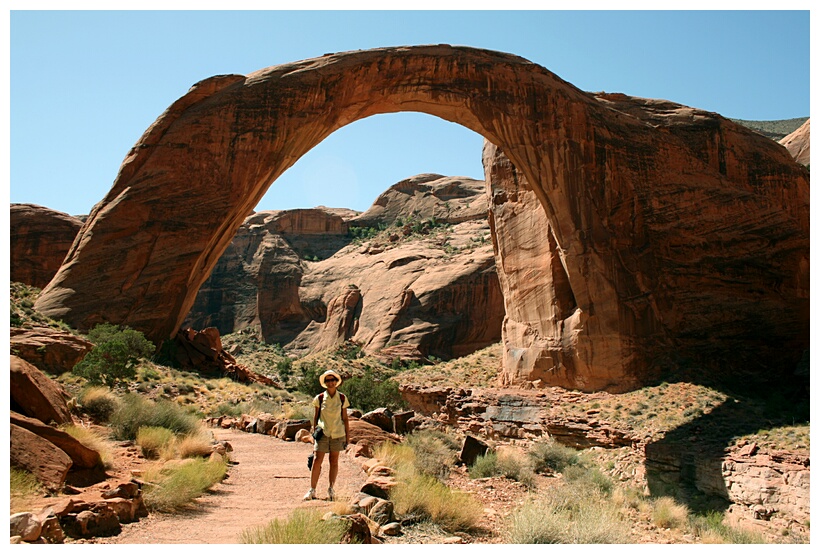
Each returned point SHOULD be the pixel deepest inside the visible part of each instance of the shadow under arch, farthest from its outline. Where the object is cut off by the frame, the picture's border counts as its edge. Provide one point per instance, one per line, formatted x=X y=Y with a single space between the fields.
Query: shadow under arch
x=192 y=178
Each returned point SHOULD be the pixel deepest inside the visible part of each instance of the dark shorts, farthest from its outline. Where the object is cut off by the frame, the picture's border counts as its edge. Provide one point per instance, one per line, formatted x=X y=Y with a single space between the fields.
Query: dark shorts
x=326 y=444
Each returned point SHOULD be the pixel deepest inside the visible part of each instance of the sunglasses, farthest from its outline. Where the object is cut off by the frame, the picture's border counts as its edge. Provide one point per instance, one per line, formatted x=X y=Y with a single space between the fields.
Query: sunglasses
x=331 y=380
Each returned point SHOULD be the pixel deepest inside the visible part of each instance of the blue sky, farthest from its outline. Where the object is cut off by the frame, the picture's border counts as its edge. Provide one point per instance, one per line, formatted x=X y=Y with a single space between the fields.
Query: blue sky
x=84 y=85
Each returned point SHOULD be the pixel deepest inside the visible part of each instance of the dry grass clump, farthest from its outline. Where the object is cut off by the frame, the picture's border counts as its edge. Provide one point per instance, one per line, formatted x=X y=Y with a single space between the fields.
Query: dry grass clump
x=99 y=403
x=170 y=487
x=419 y=464
x=91 y=439
x=569 y=514
x=668 y=514
x=425 y=496
x=550 y=456
x=303 y=526
x=511 y=464
x=154 y=441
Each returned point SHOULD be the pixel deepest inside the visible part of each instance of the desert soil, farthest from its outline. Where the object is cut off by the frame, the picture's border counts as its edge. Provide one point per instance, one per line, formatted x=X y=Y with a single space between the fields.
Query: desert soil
x=267 y=480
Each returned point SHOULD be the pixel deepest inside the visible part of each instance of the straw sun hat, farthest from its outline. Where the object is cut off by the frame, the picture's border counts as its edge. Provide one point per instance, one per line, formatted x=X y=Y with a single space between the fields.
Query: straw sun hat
x=328 y=373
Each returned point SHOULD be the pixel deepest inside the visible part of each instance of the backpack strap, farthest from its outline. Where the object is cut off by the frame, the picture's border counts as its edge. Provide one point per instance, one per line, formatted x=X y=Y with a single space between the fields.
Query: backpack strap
x=319 y=415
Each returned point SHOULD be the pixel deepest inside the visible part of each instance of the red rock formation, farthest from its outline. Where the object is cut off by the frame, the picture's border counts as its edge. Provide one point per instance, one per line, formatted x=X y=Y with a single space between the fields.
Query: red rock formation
x=202 y=351
x=39 y=239
x=81 y=456
x=39 y=456
x=798 y=143
x=35 y=395
x=684 y=236
x=447 y=199
x=49 y=349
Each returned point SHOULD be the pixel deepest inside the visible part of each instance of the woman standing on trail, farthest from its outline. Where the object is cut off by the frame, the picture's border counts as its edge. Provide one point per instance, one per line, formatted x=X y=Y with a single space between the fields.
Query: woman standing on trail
x=330 y=420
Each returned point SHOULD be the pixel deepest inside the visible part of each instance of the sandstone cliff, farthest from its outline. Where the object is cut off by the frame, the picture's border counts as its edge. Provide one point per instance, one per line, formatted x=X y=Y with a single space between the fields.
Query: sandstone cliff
x=39 y=239
x=798 y=143
x=308 y=286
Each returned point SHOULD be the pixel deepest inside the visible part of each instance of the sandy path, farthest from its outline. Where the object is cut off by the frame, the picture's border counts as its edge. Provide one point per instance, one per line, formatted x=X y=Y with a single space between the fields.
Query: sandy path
x=268 y=481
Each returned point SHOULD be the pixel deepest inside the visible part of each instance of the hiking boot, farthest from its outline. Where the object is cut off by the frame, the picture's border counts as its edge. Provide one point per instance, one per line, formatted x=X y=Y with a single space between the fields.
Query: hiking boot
x=331 y=494
x=310 y=495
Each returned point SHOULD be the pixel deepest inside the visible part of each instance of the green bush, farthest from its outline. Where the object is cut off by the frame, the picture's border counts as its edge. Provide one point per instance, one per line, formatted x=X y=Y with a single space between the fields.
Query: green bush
x=135 y=412
x=168 y=489
x=115 y=355
x=550 y=456
x=303 y=526
x=591 y=476
x=508 y=465
x=373 y=390
x=309 y=382
x=710 y=528
x=484 y=466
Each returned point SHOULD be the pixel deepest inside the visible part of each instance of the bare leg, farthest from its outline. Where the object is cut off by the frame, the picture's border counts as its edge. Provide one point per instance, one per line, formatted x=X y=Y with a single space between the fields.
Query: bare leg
x=317 y=469
x=334 y=468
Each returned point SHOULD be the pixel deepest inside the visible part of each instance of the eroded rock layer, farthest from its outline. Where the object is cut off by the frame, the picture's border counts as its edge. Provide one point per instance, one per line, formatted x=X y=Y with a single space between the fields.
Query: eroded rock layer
x=683 y=235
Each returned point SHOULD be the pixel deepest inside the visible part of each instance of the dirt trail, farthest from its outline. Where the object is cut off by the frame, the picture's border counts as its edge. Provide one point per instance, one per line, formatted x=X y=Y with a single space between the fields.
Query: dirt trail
x=268 y=481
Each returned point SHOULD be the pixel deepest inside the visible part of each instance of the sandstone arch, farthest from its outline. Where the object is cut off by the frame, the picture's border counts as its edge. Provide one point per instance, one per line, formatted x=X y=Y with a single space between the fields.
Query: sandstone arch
x=624 y=186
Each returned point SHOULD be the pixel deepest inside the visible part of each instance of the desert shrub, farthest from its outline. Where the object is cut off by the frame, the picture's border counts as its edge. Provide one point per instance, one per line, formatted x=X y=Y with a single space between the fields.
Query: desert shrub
x=309 y=381
x=669 y=514
x=432 y=455
x=373 y=390
x=484 y=466
x=398 y=456
x=99 y=403
x=92 y=440
x=153 y=441
x=135 y=412
x=303 y=526
x=169 y=488
x=711 y=529
x=568 y=514
x=590 y=476
x=506 y=464
x=115 y=355
x=515 y=466
x=550 y=456
x=427 y=497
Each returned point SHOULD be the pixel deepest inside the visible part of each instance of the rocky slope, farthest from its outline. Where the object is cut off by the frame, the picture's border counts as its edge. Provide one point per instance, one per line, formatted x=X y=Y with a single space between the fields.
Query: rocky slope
x=426 y=280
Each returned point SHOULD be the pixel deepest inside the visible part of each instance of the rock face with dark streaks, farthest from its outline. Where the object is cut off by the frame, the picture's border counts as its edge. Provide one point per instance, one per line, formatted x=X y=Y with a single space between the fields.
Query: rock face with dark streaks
x=39 y=239
x=684 y=237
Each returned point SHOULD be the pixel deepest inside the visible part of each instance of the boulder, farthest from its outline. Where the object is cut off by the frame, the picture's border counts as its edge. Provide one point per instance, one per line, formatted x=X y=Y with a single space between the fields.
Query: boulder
x=39 y=456
x=379 y=486
x=287 y=429
x=35 y=395
x=50 y=350
x=400 y=420
x=26 y=525
x=39 y=239
x=82 y=457
x=472 y=449
x=381 y=418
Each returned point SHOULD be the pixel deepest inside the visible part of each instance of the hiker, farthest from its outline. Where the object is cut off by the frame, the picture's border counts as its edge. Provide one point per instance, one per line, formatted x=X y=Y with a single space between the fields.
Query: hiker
x=330 y=418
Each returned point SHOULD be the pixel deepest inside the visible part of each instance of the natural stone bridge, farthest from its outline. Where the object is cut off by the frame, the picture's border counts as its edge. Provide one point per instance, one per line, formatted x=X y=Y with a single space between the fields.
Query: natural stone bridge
x=632 y=235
